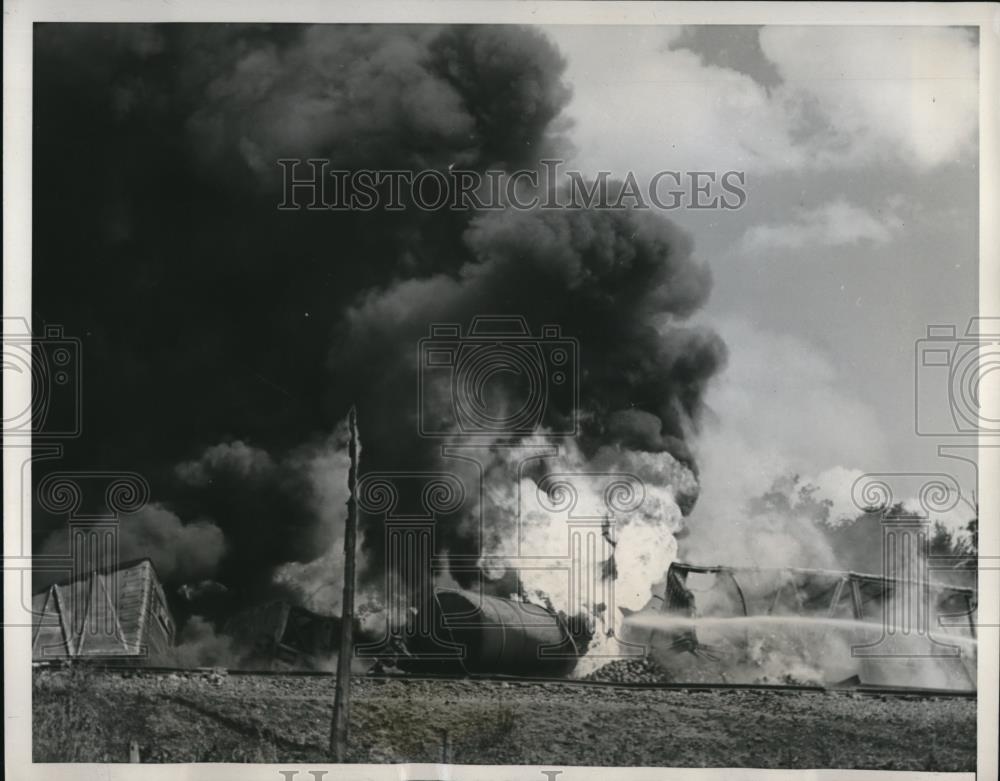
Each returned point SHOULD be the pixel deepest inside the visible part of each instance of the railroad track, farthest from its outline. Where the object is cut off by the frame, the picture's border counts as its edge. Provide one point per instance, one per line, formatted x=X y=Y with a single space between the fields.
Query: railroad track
x=863 y=690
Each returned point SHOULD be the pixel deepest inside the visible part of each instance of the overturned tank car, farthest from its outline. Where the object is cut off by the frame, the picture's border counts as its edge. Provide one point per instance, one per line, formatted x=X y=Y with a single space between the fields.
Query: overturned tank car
x=475 y=633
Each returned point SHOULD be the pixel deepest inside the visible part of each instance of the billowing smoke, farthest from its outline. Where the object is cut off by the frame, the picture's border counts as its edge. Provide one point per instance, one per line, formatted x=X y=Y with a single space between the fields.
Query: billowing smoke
x=617 y=281
x=180 y=551
x=199 y=645
x=242 y=333
x=620 y=283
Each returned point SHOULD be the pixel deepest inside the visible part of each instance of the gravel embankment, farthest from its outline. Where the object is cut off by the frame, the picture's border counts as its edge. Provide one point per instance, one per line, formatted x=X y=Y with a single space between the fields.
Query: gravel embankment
x=92 y=716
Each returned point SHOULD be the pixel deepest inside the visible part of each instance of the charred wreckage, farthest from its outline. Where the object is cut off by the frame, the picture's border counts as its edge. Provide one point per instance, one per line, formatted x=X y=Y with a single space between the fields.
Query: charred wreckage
x=703 y=624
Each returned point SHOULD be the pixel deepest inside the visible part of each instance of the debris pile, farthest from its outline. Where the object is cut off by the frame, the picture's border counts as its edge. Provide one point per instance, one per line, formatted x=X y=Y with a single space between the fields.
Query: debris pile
x=640 y=669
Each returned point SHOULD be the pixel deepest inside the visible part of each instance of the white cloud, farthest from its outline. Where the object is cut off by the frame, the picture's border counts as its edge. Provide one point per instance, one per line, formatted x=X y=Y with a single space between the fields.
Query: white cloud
x=911 y=92
x=850 y=97
x=638 y=105
x=834 y=224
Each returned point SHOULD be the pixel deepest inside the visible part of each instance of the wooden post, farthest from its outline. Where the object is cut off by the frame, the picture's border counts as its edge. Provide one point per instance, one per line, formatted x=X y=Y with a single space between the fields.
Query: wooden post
x=342 y=698
x=445 y=748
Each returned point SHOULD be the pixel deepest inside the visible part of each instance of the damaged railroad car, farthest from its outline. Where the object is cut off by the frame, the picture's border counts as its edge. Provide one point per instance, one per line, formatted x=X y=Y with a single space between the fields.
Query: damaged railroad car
x=115 y=615
x=732 y=624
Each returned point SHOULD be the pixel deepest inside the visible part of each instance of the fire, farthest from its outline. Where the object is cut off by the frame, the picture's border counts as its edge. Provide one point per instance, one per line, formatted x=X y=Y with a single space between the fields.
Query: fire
x=587 y=537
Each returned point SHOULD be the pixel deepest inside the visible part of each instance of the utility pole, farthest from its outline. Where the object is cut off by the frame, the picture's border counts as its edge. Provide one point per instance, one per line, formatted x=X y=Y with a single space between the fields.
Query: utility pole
x=342 y=698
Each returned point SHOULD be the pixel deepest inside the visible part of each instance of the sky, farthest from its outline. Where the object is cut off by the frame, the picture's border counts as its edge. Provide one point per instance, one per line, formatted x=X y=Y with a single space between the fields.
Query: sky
x=860 y=148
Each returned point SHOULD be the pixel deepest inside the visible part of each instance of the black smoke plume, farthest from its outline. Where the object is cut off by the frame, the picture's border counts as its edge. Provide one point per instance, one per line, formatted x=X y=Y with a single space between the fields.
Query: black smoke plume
x=223 y=340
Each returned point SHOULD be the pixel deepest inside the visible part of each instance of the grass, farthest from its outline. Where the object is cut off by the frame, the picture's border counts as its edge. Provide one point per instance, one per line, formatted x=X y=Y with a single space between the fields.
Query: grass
x=494 y=731
x=80 y=716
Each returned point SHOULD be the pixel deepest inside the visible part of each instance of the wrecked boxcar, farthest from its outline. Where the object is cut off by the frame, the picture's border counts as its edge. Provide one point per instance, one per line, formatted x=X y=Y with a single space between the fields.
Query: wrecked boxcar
x=812 y=626
x=115 y=615
x=281 y=636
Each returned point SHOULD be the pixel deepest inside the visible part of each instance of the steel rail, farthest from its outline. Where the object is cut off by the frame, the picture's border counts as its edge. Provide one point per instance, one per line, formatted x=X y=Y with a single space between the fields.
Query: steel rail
x=871 y=691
